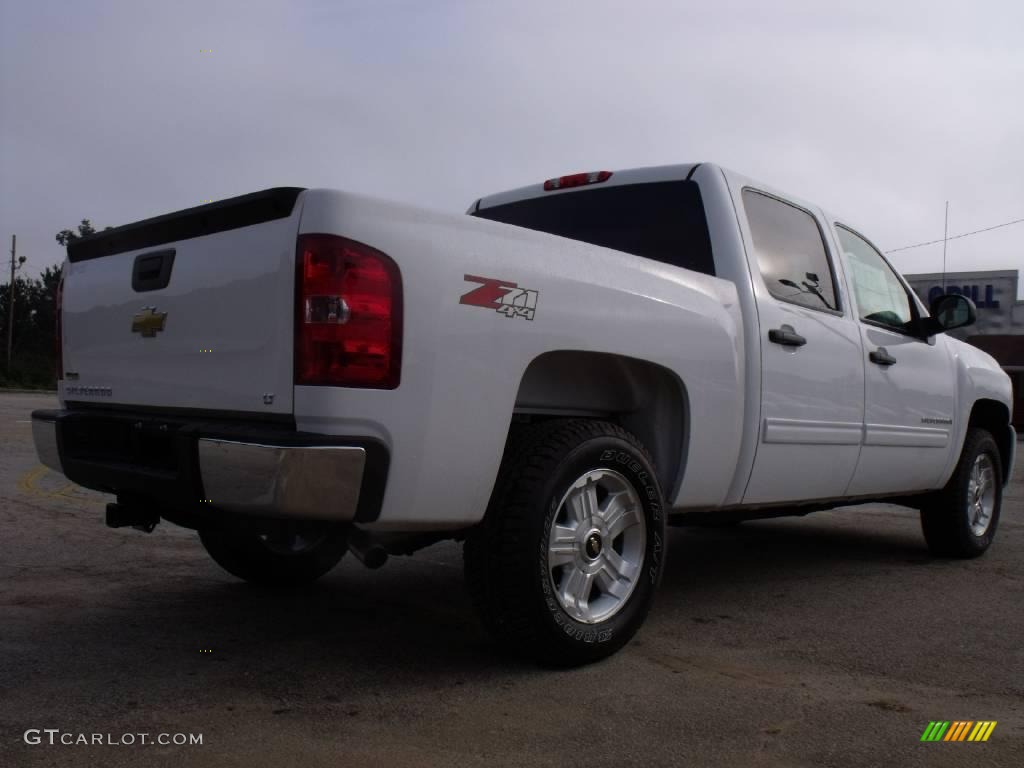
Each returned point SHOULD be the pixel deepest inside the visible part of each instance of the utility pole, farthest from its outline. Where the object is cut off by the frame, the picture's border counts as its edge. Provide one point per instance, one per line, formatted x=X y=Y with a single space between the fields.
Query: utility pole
x=15 y=263
x=10 y=305
x=945 y=237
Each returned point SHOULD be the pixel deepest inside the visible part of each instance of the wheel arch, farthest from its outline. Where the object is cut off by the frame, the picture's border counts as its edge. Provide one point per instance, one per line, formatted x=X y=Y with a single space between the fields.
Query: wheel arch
x=645 y=398
x=994 y=417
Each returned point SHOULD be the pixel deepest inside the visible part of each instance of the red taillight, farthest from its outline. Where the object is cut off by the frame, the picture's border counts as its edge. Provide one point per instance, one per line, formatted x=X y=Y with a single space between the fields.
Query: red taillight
x=60 y=327
x=348 y=314
x=577 y=180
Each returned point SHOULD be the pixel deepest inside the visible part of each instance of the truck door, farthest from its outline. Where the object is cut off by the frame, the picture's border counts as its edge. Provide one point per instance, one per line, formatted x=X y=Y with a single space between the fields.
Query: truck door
x=910 y=381
x=812 y=369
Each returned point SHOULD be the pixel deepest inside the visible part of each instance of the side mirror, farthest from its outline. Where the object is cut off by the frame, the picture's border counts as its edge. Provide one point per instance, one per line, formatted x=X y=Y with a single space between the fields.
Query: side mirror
x=948 y=312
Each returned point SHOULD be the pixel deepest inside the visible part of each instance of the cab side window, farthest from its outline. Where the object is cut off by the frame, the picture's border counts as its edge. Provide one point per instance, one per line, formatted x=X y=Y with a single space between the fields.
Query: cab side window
x=790 y=252
x=881 y=297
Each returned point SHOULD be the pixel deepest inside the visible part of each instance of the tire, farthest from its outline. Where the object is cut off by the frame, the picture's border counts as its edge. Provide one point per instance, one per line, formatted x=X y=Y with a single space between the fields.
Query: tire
x=954 y=521
x=525 y=584
x=290 y=557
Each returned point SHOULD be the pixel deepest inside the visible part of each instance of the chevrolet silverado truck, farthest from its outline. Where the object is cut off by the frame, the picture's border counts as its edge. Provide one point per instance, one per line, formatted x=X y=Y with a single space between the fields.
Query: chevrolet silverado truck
x=552 y=379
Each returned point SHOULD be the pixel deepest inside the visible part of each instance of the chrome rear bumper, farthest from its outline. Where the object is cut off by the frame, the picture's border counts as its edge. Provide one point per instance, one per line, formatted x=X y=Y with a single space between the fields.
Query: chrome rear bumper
x=44 y=435
x=319 y=482
x=204 y=467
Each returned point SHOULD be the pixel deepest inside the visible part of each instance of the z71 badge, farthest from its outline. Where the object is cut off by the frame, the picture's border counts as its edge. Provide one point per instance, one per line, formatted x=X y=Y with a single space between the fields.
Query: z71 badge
x=501 y=296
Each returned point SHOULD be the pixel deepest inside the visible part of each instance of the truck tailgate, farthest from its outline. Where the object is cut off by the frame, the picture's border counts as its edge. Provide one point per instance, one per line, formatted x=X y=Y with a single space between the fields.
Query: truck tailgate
x=190 y=310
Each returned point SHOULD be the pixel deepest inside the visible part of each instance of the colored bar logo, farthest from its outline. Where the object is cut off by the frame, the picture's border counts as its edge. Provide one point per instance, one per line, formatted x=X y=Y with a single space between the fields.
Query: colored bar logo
x=958 y=730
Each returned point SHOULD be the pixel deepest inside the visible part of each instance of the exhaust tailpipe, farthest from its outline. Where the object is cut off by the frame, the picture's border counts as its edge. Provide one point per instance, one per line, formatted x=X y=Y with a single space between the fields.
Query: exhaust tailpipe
x=367 y=551
x=122 y=516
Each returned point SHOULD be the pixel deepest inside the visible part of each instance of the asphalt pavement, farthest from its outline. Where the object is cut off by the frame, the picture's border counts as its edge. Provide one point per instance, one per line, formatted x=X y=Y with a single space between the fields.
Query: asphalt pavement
x=829 y=640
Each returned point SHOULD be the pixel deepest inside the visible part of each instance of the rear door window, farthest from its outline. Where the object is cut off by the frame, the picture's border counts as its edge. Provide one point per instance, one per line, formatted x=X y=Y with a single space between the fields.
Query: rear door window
x=791 y=252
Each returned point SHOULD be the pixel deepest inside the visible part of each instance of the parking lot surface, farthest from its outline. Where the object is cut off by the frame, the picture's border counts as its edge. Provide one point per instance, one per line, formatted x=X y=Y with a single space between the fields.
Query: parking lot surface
x=832 y=640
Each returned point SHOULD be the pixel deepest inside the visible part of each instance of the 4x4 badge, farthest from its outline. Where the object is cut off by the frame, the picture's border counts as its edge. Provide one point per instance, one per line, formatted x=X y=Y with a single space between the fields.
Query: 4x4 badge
x=501 y=296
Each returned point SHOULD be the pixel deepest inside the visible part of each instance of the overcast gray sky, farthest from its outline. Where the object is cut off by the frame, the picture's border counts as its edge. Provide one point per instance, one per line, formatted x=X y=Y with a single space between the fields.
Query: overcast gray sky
x=878 y=111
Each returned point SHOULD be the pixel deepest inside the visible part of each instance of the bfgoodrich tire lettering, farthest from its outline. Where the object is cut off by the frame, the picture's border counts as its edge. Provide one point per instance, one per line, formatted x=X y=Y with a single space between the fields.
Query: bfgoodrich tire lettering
x=515 y=574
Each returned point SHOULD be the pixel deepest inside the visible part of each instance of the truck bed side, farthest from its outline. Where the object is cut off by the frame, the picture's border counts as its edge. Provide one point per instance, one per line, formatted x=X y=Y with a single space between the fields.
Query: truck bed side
x=463 y=364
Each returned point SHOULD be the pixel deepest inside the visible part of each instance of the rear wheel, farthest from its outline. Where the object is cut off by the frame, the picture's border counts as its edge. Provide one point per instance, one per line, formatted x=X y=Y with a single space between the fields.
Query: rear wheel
x=290 y=555
x=565 y=565
x=961 y=519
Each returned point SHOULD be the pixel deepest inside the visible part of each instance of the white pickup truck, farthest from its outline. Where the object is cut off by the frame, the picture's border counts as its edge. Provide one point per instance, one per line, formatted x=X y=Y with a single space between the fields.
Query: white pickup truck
x=298 y=373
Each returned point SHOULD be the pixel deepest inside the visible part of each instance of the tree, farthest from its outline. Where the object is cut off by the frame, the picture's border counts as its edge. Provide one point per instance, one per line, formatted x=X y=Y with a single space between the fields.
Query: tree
x=33 y=353
x=33 y=361
x=65 y=236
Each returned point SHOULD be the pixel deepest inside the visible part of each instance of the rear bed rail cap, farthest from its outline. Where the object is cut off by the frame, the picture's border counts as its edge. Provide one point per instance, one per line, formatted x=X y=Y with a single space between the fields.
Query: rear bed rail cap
x=221 y=216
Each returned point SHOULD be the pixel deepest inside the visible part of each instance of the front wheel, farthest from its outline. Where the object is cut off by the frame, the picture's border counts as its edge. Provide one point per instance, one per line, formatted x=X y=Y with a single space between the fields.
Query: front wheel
x=566 y=562
x=961 y=519
x=287 y=556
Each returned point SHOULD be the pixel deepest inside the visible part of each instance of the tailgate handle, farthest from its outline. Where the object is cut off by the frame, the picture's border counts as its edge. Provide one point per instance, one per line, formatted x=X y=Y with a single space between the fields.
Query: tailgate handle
x=152 y=271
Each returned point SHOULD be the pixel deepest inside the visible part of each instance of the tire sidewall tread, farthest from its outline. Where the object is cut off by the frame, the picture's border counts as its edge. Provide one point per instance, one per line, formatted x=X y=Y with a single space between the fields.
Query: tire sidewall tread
x=944 y=519
x=506 y=556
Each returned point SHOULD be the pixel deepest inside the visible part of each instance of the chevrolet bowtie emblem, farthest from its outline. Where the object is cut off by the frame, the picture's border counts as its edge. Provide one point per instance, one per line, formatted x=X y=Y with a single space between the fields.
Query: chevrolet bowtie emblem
x=148 y=322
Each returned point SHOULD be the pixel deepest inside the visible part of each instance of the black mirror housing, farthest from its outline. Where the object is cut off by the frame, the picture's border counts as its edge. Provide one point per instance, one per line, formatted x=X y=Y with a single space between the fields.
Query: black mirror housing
x=950 y=311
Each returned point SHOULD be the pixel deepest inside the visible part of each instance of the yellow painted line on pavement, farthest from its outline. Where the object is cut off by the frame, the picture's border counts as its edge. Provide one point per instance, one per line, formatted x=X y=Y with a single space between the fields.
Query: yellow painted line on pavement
x=27 y=484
